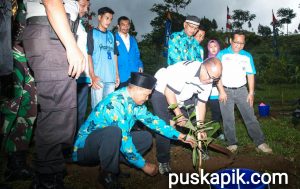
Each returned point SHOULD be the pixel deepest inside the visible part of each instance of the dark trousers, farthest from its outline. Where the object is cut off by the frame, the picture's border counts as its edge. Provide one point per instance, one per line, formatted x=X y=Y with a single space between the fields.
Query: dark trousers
x=82 y=101
x=160 y=108
x=103 y=145
x=56 y=96
x=215 y=110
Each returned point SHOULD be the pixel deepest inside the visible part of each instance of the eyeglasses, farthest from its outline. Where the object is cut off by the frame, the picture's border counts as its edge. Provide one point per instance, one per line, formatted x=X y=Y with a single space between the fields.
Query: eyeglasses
x=238 y=43
x=192 y=27
x=214 y=79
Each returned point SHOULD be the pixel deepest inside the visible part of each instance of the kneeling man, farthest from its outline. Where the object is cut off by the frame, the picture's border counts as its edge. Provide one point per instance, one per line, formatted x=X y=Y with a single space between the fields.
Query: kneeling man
x=106 y=136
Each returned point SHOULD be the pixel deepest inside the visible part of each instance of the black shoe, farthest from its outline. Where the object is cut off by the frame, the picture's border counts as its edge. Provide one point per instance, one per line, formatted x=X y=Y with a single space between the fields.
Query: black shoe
x=109 y=181
x=48 y=181
x=17 y=168
x=4 y=186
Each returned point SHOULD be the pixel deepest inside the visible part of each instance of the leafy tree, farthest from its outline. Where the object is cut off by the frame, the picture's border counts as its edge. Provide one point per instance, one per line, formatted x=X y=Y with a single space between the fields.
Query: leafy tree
x=206 y=23
x=171 y=6
x=240 y=17
x=86 y=20
x=286 y=15
x=265 y=31
x=214 y=25
x=250 y=18
x=178 y=4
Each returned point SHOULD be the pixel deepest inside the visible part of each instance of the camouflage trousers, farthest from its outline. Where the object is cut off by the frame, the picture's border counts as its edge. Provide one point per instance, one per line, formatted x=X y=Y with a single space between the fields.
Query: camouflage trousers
x=19 y=111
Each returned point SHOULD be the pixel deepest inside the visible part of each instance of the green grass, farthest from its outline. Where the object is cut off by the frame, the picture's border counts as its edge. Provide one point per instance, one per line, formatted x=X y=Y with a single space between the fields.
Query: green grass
x=279 y=131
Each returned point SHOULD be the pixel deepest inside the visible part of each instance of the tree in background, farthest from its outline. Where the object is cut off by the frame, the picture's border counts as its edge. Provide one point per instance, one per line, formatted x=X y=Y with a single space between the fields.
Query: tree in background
x=177 y=4
x=240 y=17
x=250 y=18
x=264 y=31
x=286 y=15
x=87 y=19
x=214 y=25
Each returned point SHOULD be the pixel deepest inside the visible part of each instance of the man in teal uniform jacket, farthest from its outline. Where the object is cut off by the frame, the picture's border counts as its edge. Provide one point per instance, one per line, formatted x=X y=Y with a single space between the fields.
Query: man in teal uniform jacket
x=106 y=135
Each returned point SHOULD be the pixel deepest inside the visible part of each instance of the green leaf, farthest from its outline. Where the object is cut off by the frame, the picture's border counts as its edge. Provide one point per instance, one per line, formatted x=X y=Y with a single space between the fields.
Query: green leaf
x=215 y=127
x=176 y=117
x=189 y=106
x=173 y=106
x=190 y=125
x=192 y=115
x=208 y=141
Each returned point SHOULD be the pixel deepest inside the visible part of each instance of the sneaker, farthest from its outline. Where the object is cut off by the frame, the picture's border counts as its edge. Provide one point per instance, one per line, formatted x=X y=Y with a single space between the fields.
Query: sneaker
x=221 y=137
x=164 y=168
x=205 y=155
x=264 y=148
x=232 y=148
x=109 y=181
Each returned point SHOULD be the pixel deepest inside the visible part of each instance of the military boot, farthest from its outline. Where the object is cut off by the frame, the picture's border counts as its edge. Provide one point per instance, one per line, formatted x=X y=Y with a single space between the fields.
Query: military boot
x=48 y=181
x=17 y=168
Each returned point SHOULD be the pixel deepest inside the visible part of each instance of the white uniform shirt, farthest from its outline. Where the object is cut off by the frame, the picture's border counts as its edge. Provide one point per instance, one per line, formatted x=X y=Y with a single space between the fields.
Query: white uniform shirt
x=36 y=8
x=235 y=67
x=82 y=44
x=183 y=79
x=126 y=40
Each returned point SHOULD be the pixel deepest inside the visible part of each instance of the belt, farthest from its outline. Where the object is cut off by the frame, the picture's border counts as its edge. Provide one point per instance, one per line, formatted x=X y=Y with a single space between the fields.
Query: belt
x=38 y=20
x=233 y=87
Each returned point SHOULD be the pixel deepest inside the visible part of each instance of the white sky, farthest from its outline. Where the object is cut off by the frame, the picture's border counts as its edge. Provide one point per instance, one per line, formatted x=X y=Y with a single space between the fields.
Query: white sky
x=139 y=11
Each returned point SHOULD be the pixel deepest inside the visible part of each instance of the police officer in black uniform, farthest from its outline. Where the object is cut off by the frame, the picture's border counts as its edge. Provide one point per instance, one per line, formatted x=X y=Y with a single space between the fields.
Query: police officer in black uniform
x=56 y=61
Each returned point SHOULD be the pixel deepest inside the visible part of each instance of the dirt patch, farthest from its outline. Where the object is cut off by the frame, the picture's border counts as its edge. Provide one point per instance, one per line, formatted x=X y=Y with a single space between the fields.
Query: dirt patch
x=86 y=177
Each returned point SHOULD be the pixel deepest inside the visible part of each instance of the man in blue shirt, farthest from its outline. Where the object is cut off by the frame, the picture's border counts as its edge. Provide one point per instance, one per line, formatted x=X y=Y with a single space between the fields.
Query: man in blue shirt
x=129 y=55
x=106 y=135
x=102 y=57
x=239 y=70
x=182 y=45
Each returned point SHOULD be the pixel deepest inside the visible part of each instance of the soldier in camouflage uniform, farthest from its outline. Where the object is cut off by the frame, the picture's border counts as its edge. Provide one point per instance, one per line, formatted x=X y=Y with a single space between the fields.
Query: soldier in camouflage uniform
x=19 y=114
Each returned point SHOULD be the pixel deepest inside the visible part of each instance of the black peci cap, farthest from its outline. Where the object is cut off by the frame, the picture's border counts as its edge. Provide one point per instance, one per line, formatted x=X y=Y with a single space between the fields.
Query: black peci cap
x=143 y=80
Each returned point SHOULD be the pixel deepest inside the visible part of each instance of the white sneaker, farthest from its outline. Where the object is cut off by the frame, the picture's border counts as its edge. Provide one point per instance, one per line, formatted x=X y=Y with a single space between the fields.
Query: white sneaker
x=232 y=148
x=164 y=168
x=264 y=148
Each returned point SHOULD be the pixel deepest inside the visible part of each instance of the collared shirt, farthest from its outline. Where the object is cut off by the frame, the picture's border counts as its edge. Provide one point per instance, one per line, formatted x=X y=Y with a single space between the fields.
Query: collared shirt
x=126 y=40
x=183 y=79
x=82 y=44
x=235 y=67
x=119 y=109
x=183 y=48
x=36 y=8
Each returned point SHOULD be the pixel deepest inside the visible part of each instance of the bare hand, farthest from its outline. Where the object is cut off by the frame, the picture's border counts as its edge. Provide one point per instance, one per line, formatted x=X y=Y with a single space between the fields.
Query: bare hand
x=150 y=169
x=76 y=61
x=250 y=99
x=188 y=139
x=181 y=121
x=117 y=81
x=96 y=82
x=223 y=97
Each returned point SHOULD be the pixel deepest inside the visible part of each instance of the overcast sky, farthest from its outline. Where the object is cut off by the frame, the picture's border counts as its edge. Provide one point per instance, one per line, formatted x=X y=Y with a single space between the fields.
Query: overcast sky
x=139 y=11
